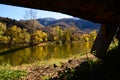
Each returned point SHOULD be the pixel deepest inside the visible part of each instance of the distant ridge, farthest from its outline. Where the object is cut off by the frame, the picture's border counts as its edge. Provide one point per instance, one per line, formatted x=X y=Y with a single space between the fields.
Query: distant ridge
x=76 y=22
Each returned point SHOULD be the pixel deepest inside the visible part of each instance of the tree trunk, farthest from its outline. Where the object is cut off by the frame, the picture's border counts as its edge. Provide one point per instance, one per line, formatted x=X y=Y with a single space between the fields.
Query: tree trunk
x=103 y=40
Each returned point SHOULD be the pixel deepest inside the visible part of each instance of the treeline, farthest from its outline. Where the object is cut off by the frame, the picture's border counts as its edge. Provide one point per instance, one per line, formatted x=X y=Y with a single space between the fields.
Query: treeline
x=15 y=35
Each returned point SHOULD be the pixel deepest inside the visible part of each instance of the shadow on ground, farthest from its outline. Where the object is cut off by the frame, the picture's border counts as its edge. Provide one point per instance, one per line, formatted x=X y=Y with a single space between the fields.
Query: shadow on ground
x=107 y=69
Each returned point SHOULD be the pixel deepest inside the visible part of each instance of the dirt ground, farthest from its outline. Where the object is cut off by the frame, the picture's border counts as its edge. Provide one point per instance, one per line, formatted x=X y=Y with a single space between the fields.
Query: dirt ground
x=40 y=73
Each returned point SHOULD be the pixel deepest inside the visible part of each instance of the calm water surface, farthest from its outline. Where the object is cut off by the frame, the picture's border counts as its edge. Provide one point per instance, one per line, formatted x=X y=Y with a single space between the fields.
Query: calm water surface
x=38 y=53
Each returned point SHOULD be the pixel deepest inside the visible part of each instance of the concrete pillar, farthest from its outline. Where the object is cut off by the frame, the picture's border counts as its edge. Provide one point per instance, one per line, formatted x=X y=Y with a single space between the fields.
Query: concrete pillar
x=103 y=40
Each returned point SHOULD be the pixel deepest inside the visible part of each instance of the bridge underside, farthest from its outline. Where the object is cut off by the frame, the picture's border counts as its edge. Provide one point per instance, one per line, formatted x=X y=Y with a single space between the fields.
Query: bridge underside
x=105 y=12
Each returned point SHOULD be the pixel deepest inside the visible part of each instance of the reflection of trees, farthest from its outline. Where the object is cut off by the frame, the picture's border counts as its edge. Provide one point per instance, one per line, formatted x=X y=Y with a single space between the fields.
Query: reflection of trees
x=87 y=45
x=45 y=52
x=2 y=60
x=68 y=47
x=40 y=53
x=17 y=57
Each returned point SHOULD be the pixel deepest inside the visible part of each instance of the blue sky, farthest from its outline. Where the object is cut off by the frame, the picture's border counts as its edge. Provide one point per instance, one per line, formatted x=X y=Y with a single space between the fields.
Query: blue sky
x=19 y=12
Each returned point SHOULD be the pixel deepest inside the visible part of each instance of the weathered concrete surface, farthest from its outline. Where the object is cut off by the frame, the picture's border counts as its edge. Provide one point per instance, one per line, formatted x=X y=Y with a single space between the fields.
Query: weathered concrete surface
x=101 y=11
x=103 y=40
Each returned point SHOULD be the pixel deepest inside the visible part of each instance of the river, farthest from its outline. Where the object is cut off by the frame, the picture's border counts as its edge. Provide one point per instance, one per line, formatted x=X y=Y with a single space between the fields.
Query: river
x=46 y=52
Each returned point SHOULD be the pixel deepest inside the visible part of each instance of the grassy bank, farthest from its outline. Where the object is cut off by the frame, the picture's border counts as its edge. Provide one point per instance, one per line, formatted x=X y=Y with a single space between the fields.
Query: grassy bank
x=6 y=73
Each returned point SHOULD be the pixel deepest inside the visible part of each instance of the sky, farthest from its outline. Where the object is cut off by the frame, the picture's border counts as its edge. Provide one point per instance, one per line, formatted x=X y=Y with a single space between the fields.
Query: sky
x=19 y=12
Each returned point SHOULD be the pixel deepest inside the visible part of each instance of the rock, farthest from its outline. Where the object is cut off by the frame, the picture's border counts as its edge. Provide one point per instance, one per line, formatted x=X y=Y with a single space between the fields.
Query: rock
x=69 y=61
x=54 y=65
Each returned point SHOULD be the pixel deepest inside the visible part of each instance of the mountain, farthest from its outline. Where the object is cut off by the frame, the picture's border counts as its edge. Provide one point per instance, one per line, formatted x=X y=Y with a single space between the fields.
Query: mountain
x=70 y=22
x=47 y=21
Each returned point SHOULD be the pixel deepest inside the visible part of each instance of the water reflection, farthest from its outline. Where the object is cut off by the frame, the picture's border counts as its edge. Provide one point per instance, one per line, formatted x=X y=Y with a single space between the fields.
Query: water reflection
x=37 y=53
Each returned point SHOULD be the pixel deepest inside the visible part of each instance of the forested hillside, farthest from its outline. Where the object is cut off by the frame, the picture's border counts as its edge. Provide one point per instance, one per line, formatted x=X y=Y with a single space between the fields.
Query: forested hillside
x=27 y=32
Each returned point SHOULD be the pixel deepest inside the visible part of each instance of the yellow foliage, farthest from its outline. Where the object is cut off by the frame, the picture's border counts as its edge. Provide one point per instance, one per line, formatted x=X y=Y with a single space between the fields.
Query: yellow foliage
x=85 y=37
x=4 y=39
x=39 y=36
x=93 y=35
x=2 y=26
x=89 y=37
x=55 y=38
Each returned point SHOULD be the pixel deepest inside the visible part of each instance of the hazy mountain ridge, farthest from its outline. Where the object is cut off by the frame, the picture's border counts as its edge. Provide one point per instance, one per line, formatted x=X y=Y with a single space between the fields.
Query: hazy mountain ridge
x=68 y=22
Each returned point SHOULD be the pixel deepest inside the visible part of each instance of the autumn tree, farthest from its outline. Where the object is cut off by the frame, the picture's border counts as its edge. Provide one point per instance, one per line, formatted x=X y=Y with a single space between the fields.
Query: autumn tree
x=85 y=37
x=93 y=35
x=67 y=35
x=13 y=33
x=31 y=15
x=2 y=28
x=25 y=36
x=17 y=35
x=4 y=39
x=76 y=37
x=32 y=29
x=89 y=37
x=58 y=33
x=39 y=36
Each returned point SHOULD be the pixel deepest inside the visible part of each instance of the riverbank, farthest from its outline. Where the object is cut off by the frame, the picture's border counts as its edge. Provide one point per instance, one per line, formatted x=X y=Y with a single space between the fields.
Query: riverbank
x=49 y=69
